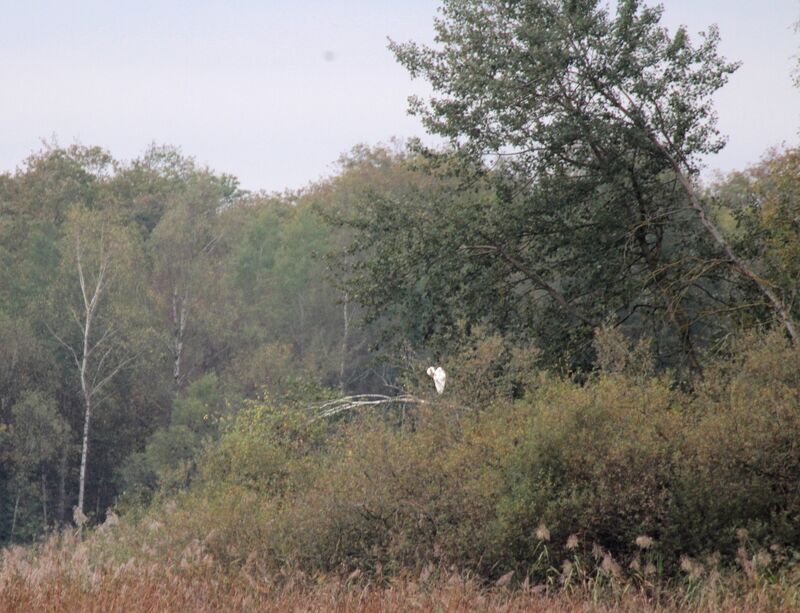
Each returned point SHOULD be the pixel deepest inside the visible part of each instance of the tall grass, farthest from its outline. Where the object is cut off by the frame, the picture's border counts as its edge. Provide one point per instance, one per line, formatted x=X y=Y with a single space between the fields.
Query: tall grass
x=64 y=574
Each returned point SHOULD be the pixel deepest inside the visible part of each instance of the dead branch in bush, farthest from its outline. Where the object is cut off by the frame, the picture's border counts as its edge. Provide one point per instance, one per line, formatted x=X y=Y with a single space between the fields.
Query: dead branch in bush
x=359 y=401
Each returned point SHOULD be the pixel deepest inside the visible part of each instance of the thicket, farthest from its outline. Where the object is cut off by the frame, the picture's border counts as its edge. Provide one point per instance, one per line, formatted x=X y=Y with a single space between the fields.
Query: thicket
x=621 y=492
x=624 y=478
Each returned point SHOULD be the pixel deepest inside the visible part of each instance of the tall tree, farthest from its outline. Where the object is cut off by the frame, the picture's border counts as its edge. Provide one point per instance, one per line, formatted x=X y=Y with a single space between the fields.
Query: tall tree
x=764 y=201
x=39 y=436
x=565 y=89
x=96 y=267
x=182 y=247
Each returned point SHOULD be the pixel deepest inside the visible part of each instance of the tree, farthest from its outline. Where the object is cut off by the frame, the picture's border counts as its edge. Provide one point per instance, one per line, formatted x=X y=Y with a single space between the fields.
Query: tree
x=97 y=256
x=185 y=269
x=443 y=244
x=562 y=89
x=24 y=362
x=34 y=206
x=38 y=436
x=299 y=320
x=764 y=201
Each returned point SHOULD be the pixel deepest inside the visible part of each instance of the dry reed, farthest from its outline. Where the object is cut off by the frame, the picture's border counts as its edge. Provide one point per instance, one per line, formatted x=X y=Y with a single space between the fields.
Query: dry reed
x=65 y=574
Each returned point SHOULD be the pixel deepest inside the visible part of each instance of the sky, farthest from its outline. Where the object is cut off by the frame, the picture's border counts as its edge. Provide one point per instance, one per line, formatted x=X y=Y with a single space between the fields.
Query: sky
x=274 y=91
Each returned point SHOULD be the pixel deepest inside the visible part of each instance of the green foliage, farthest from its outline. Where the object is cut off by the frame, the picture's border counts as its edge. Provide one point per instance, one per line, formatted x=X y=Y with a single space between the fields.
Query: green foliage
x=593 y=122
x=764 y=201
x=740 y=453
x=32 y=444
x=627 y=457
x=168 y=461
x=553 y=79
x=207 y=296
x=266 y=445
x=137 y=481
x=455 y=246
x=200 y=406
x=597 y=462
x=560 y=235
x=395 y=499
x=39 y=433
x=170 y=453
x=621 y=476
x=616 y=412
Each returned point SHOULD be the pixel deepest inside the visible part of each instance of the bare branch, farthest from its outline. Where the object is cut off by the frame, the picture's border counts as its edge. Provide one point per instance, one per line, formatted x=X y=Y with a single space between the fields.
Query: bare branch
x=351 y=403
x=64 y=344
x=113 y=373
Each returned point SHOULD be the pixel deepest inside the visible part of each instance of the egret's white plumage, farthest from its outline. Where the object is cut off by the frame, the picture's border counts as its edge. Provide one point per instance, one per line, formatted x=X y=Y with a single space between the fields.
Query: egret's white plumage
x=439 y=377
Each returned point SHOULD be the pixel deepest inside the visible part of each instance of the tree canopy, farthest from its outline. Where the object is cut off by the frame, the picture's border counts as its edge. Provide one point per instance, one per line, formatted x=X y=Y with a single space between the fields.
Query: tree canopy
x=576 y=137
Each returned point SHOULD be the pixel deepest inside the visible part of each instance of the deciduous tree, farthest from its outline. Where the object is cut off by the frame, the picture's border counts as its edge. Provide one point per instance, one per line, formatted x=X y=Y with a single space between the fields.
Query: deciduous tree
x=609 y=109
x=97 y=263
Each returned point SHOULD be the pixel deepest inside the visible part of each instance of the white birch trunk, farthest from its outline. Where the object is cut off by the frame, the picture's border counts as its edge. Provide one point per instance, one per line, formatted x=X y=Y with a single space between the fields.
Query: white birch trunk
x=179 y=318
x=345 y=339
x=90 y=306
x=84 y=452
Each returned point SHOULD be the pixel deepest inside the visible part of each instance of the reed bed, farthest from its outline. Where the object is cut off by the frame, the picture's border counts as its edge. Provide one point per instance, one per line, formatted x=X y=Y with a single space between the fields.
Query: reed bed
x=65 y=574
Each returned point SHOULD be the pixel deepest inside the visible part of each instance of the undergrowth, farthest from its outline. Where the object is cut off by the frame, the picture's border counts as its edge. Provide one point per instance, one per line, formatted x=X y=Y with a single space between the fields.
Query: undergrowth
x=624 y=492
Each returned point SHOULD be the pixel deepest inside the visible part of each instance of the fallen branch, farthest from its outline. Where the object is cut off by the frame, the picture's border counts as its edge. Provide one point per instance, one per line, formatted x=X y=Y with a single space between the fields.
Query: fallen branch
x=358 y=401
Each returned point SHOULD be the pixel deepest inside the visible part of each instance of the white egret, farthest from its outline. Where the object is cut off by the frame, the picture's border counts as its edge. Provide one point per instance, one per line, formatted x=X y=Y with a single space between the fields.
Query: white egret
x=439 y=377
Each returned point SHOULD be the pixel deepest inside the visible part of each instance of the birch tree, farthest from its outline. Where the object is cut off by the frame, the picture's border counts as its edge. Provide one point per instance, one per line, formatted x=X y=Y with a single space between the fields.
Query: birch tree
x=97 y=261
x=183 y=249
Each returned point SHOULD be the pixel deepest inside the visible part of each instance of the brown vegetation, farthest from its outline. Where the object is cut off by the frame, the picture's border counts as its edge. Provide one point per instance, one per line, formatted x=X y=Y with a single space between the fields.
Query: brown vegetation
x=61 y=575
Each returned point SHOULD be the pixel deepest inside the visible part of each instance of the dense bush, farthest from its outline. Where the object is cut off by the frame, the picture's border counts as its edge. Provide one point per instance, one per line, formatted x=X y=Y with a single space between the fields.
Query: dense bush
x=741 y=460
x=610 y=473
x=598 y=462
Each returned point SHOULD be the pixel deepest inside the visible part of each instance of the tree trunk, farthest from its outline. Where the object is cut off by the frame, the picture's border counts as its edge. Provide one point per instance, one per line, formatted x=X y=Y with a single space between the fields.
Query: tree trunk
x=97 y=502
x=635 y=114
x=301 y=328
x=179 y=316
x=84 y=452
x=778 y=306
x=62 y=483
x=14 y=519
x=44 y=500
x=90 y=306
x=345 y=339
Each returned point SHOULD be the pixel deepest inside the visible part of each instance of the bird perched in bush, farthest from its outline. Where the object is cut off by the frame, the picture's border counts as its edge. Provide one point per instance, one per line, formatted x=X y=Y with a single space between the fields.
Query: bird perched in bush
x=439 y=377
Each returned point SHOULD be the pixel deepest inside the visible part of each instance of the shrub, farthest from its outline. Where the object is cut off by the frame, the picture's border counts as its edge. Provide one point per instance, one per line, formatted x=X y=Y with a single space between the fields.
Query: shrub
x=596 y=461
x=606 y=477
x=389 y=498
x=741 y=461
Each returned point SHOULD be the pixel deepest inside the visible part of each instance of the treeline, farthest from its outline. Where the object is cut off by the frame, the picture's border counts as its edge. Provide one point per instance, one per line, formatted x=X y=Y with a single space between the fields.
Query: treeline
x=159 y=296
x=140 y=302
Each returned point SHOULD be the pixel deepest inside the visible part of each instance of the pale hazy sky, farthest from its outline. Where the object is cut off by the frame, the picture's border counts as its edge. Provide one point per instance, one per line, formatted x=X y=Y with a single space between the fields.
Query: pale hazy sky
x=273 y=91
